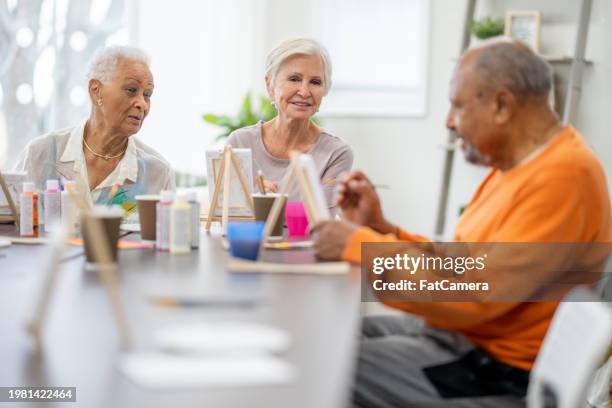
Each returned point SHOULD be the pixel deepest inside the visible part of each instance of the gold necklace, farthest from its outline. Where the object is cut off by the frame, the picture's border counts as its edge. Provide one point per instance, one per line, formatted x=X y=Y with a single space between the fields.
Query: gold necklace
x=104 y=156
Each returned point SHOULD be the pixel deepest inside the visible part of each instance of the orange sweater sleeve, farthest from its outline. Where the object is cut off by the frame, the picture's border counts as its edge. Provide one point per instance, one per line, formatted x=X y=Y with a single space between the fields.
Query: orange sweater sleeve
x=352 y=249
x=552 y=209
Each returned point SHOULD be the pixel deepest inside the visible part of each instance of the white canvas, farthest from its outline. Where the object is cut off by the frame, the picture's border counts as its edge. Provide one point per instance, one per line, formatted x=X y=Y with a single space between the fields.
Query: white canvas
x=14 y=182
x=238 y=206
x=312 y=177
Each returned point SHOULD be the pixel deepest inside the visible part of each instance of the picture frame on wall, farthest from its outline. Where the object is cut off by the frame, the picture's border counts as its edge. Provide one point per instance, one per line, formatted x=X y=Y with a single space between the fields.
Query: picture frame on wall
x=524 y=26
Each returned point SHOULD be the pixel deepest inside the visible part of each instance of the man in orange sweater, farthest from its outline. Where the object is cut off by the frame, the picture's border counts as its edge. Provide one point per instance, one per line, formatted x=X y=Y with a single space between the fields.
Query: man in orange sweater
x=545 y=186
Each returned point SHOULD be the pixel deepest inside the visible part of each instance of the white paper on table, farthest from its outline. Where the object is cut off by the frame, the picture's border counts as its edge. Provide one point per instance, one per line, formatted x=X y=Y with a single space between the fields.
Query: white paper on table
x=229 y=338
x=130 y=227
x=315 y=268
x=167 y=371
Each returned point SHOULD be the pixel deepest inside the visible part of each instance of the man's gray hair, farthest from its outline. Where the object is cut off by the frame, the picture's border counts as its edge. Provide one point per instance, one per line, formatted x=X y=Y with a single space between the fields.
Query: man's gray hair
x=104 y=62
x=513 y=65
x=298 y=46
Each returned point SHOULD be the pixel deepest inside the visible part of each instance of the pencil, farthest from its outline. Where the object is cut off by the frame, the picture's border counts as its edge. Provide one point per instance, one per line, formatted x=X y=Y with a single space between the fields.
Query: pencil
x=288 y=245
x=260 y=182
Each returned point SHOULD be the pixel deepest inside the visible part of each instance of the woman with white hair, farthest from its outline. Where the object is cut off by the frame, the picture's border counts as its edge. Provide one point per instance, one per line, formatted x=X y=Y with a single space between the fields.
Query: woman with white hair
x=298 y=76
x=100 y=153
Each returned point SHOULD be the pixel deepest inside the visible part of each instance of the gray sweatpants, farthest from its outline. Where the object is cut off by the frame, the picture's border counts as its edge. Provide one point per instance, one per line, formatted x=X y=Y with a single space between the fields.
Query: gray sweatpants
x=393 y=350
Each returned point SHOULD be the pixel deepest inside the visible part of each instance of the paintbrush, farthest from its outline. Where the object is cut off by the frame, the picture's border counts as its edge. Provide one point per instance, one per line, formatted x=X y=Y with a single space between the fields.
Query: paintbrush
x=112 y=194
x=260 y=182
x=77 y=198
x=82 y=187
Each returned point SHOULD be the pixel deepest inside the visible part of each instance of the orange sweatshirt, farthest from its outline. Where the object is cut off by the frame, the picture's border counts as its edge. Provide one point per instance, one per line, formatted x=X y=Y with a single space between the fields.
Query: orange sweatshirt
x=560 y=195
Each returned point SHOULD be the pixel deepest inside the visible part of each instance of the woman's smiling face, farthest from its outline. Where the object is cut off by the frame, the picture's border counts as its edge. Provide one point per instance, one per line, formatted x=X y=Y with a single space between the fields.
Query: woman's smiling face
x=298 y=88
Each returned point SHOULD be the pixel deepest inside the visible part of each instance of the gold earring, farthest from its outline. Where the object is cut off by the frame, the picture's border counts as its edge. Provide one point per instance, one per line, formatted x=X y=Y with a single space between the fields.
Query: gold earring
x=100 y=102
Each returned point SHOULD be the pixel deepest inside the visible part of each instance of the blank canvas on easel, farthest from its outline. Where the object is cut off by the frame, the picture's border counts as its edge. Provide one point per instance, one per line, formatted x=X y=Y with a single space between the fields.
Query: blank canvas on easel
x=315 y=190
x=13 y=181
x=238 y=206
x=302 y=171
x=101 y=253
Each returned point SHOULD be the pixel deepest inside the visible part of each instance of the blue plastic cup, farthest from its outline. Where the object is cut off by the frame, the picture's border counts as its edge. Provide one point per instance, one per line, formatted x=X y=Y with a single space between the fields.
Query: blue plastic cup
x=245 y=238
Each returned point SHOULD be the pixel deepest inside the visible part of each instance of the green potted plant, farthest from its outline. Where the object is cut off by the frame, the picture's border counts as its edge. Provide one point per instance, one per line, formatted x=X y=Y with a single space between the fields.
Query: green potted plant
x=487 y=27
x=247 y=116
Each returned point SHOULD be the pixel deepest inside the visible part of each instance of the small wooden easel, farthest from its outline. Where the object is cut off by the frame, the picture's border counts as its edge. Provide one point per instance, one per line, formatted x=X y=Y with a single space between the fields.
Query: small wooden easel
x=9 y=199
x=101 y=252
x=228 y=160
x=301 y=168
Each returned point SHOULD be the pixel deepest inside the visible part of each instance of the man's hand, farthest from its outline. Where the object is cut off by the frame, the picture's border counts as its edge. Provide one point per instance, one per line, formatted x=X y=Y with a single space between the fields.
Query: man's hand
x=360 y=204
x=330 y=238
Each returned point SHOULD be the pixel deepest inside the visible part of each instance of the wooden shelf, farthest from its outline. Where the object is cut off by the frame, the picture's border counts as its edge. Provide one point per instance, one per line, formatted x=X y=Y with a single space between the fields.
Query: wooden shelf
x=559 y=59
x=553 y=59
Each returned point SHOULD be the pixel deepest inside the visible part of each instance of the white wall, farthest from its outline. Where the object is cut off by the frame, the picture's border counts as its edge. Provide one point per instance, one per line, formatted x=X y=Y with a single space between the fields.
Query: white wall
x=198 y=68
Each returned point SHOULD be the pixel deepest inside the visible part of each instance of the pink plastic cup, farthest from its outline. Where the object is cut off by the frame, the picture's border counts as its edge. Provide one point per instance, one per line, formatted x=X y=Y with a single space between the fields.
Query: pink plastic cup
x=297 y=221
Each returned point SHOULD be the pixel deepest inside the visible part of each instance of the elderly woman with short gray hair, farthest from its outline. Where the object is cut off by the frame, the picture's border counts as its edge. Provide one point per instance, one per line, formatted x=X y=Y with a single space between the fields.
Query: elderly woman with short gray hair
x=298 y=76
x=100 y=152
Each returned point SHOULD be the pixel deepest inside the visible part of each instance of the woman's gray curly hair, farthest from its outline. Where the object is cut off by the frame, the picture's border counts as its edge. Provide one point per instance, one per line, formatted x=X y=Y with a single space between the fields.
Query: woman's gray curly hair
x=104 y=62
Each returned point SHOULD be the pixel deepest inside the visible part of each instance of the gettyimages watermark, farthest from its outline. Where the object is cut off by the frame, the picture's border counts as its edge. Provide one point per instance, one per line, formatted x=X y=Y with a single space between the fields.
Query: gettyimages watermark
x=483 y=272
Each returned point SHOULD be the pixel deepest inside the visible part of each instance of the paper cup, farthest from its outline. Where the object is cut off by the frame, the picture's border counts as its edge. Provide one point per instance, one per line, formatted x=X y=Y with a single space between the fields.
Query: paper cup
x=147 y=214
x=109 y=219
x=263 y=204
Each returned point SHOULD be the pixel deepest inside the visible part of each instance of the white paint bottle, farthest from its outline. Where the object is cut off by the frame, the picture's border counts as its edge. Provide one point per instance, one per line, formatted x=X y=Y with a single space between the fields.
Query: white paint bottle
x=195 y=219
x=180 y=226
x=68 y=211
x=28 y=209
x=162 y=222
x=53 y=205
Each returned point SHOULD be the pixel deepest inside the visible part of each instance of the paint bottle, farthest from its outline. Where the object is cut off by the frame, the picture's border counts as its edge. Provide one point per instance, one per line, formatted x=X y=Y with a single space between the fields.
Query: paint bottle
x=195 y=219
x=28 y=208
x=40 y=197
x=53 y=205
x=180 y=226
x=68 y=209
x=162 y=222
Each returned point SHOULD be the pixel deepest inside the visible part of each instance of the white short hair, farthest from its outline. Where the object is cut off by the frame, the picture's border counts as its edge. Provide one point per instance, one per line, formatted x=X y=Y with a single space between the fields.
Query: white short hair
x=298 y=46
x=104 y=62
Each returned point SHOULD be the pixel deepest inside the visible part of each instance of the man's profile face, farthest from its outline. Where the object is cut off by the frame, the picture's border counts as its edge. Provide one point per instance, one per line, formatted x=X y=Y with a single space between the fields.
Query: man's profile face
x=470 y=116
